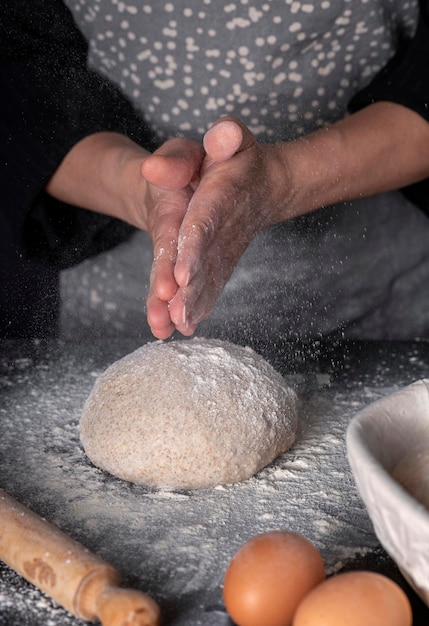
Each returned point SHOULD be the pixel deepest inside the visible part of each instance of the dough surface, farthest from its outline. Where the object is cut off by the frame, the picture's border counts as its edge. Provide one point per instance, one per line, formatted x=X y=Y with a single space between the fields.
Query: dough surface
x=188 y=414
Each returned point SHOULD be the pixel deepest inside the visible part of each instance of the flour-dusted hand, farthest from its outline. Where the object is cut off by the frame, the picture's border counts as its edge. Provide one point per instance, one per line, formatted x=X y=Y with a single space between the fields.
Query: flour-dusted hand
x=111 y=174
x=246 y=187
x=243 y=186
x=202 y=205
x=171 y=174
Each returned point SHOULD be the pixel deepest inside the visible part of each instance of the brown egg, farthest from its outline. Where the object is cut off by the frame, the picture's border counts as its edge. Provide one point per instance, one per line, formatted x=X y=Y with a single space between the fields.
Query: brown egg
x=269 y=576
x=355 y=599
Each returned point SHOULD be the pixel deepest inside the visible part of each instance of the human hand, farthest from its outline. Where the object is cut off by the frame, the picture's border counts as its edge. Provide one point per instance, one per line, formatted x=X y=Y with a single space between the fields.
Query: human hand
x=171 y=175
x=109 y=173
x=242 y=188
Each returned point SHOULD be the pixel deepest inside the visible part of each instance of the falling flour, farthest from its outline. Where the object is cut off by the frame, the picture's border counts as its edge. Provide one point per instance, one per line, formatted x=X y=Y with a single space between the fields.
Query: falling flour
x=188 y=414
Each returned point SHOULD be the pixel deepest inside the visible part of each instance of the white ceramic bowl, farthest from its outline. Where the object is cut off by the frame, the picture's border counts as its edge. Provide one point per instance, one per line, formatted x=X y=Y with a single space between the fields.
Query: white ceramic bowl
x=377 y=439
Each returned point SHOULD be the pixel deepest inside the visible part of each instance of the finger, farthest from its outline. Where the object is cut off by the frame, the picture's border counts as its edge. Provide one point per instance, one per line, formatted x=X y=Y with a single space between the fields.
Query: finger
x=158 y=317
x=190 y=306
x=179 y=309
x=227 y=137
x=195 y=238
x=203 y=228
x=174 y=165
x=167 y=219
x=163 y=283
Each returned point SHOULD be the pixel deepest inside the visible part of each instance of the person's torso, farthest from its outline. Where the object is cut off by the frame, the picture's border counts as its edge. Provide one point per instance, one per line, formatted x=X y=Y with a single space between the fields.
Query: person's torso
x=284 y=67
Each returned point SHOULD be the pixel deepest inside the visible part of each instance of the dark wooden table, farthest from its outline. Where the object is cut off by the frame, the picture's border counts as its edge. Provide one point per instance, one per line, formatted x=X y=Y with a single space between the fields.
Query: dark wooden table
x=176 y=545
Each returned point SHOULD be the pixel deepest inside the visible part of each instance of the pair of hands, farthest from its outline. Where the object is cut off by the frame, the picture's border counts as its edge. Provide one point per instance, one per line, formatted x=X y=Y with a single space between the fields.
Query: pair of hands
x=204 y=205
x=201 y=204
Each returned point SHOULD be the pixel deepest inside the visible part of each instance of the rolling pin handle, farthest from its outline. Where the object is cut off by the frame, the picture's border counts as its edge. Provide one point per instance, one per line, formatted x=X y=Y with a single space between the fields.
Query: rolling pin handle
x=100 y=596
x=127 y=607
x=90 y=589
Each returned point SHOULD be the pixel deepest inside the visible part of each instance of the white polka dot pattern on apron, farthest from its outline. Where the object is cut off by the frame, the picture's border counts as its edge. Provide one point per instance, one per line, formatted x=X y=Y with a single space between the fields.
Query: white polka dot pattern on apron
x=284 y=67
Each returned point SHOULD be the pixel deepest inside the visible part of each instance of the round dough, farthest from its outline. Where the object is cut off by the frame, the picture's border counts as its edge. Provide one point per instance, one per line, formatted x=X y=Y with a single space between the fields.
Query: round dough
x=188 y=414
x=412 y=472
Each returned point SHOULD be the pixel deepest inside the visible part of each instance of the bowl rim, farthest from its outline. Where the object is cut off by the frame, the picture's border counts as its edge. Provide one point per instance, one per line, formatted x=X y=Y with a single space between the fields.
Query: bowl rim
x=400 y=522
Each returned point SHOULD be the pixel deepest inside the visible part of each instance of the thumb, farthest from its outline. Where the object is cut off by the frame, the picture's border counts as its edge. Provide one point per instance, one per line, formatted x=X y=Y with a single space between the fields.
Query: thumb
x=226 y=137
x=174 y=165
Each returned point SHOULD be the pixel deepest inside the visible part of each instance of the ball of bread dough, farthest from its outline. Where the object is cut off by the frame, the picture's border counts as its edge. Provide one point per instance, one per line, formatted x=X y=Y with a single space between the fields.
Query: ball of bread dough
x=188 y=414
x=412 y=472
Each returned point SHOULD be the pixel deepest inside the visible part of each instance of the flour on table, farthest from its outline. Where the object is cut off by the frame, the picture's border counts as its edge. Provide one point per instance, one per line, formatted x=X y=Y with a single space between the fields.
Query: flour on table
x=188 y=414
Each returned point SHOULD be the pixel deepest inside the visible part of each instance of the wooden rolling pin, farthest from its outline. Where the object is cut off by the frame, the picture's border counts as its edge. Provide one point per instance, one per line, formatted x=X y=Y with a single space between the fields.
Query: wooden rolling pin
x=77 y=579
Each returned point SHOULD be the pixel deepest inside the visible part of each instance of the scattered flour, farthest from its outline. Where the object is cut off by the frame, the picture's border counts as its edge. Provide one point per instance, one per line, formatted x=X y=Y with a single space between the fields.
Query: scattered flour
x=176 y=544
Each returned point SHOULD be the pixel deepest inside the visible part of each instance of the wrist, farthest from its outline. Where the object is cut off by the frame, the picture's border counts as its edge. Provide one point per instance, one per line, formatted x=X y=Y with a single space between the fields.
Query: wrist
x=133 y=187
x=122 y=178
x=380 y=148
x=311 y=168
x=102 y=173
